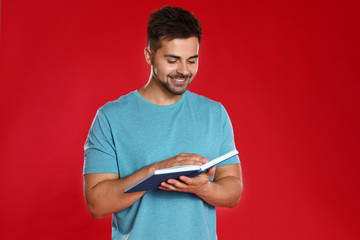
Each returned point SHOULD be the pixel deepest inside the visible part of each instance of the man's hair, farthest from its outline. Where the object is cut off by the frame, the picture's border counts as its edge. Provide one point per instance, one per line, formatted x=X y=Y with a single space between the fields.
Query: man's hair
x=170 y=23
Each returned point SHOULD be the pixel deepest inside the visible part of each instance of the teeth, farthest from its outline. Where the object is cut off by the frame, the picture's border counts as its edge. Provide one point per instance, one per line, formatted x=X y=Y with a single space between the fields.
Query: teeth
x=179 y=80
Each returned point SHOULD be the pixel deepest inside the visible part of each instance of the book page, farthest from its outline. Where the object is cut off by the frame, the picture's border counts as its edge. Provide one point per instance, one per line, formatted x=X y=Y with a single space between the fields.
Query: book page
x=178 y=169
x=218 y=160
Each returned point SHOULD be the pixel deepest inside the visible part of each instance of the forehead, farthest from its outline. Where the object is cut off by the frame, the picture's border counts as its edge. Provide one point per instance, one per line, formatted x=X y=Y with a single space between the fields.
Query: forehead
x=182 y=47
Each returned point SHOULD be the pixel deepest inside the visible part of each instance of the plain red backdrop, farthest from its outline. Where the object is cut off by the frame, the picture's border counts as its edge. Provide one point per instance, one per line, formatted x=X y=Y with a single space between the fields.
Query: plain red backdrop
x=287 y=72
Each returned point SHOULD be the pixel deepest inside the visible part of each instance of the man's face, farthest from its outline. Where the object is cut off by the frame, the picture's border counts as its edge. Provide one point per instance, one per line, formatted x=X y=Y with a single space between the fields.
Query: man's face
x=175 y=64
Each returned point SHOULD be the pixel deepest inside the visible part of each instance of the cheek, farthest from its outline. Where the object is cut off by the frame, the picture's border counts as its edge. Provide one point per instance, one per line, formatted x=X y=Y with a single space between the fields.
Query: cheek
x=194 y=69
x=168 y=69
x=162 y=70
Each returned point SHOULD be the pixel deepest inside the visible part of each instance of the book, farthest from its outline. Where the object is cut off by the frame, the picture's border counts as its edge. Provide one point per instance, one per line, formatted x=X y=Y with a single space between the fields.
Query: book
x=153 y=180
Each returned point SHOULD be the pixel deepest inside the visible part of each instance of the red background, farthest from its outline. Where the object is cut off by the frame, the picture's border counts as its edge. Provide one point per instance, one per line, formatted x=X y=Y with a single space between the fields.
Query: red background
x=287 y=72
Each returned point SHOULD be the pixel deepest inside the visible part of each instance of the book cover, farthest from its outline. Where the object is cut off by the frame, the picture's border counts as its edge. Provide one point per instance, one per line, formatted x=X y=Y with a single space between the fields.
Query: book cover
x=153 y=180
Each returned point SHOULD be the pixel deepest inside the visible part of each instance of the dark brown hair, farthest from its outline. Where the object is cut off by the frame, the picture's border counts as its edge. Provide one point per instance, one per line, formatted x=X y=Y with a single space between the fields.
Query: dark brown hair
x=170 y=23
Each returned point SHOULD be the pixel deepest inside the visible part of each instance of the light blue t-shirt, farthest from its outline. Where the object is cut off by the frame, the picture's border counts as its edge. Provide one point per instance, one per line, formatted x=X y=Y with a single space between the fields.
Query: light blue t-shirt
x=130 y=133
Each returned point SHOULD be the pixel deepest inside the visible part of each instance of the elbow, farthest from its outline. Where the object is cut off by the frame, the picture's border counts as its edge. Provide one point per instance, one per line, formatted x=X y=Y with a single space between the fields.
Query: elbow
x=94 y=210
x=95 y=215
x=237 y=197
x=233 y=203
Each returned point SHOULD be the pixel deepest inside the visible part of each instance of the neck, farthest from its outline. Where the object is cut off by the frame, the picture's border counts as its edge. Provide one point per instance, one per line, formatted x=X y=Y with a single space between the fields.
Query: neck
x=157 y=94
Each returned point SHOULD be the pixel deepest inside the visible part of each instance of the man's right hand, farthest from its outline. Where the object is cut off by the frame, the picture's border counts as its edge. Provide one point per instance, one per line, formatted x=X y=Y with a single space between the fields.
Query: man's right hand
x=181 y=159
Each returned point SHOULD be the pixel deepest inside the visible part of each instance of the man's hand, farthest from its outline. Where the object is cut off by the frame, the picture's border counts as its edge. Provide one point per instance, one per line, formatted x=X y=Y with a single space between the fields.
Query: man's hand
x=186 y=184
x=224 y=191
x=195 y=185
x=181 y=159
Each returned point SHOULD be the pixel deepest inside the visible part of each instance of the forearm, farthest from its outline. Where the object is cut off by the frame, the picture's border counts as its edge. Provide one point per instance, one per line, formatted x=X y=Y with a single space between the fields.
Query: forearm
x=104 y=193
x=225 y=192
x=107 y=196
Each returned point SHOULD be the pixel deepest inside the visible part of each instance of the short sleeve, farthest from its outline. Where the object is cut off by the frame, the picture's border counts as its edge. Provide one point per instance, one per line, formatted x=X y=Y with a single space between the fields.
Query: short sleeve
x=99 y=147
x=227 y=138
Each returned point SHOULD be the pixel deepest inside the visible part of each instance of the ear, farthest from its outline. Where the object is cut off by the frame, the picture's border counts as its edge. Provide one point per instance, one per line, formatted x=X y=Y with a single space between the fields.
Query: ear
x=148 y=56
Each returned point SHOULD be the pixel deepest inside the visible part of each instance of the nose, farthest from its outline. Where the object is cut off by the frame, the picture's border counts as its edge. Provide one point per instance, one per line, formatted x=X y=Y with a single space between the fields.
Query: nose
x=183 y=68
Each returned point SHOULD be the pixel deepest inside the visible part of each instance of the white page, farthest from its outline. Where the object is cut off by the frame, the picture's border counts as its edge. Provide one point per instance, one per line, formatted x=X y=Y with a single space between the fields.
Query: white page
x=182 y=168
x=218 y=160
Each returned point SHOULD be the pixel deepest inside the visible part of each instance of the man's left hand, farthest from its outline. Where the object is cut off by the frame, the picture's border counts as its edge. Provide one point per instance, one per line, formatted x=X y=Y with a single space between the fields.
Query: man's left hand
x=191 y=185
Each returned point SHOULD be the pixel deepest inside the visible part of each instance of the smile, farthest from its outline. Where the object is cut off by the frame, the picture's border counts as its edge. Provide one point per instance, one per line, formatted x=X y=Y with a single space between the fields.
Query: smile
x=178 y=81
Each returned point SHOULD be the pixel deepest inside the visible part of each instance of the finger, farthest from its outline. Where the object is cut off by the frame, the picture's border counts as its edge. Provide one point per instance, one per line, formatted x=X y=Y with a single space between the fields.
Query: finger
x=210 y=172
x=194 y=181
x=181 y=161
x=188 y=162
x=195 y=161
x=166 y=187
x=176 y=184
x=186 y=180
x=170 y=187
x=191 y=158
x=203 y=177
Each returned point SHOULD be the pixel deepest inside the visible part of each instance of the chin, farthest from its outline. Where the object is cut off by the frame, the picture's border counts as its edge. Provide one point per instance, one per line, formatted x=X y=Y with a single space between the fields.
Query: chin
x=175 y=91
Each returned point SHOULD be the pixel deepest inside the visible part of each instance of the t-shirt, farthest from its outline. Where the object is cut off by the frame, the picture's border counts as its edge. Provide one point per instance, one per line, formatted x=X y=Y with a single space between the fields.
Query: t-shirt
x=130 y=133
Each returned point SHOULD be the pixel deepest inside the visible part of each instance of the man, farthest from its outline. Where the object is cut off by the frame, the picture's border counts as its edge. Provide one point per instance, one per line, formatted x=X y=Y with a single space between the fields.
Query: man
x=158 y=126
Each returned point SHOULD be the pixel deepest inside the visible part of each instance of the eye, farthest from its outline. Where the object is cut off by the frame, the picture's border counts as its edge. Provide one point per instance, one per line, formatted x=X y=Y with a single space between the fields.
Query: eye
x=191 y=61
x=171 y=60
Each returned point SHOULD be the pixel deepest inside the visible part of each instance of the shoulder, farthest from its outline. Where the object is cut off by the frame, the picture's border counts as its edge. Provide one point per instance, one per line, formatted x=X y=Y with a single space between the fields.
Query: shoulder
x=199 y=99
x=204 y=102
x=119 y=105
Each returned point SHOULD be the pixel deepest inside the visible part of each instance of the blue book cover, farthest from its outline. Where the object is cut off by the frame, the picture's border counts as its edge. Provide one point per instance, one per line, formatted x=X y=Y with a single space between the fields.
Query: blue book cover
x=153 y=180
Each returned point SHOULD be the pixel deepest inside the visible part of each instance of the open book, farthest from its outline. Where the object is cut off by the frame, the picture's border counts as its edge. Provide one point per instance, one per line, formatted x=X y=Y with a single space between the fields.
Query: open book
x=153 y=180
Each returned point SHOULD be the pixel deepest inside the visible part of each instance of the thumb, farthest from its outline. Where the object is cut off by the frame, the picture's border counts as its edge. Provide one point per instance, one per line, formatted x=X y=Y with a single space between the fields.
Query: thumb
x=211 y=172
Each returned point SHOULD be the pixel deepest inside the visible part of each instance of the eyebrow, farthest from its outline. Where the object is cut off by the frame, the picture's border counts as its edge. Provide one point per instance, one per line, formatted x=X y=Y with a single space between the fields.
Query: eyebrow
x=177 y=57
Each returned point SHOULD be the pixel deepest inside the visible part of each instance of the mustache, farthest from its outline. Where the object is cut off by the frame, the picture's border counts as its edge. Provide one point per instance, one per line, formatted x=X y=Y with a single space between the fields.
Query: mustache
x=180 y=76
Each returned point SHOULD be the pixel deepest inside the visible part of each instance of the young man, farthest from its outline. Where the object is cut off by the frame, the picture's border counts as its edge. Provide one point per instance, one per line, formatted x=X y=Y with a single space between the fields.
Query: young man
x=158 y=126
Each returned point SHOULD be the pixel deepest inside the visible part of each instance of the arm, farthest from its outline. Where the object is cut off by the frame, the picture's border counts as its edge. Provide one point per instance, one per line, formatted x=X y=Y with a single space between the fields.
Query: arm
x=224 y=191
x=104 y=192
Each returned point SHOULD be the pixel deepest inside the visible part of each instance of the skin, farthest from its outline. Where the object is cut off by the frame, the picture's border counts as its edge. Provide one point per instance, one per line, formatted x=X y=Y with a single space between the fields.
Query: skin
x=173 y=67
x=175 y=59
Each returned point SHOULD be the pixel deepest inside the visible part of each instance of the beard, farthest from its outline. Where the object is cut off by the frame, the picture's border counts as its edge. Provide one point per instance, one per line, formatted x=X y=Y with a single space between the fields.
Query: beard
x=175 y=89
